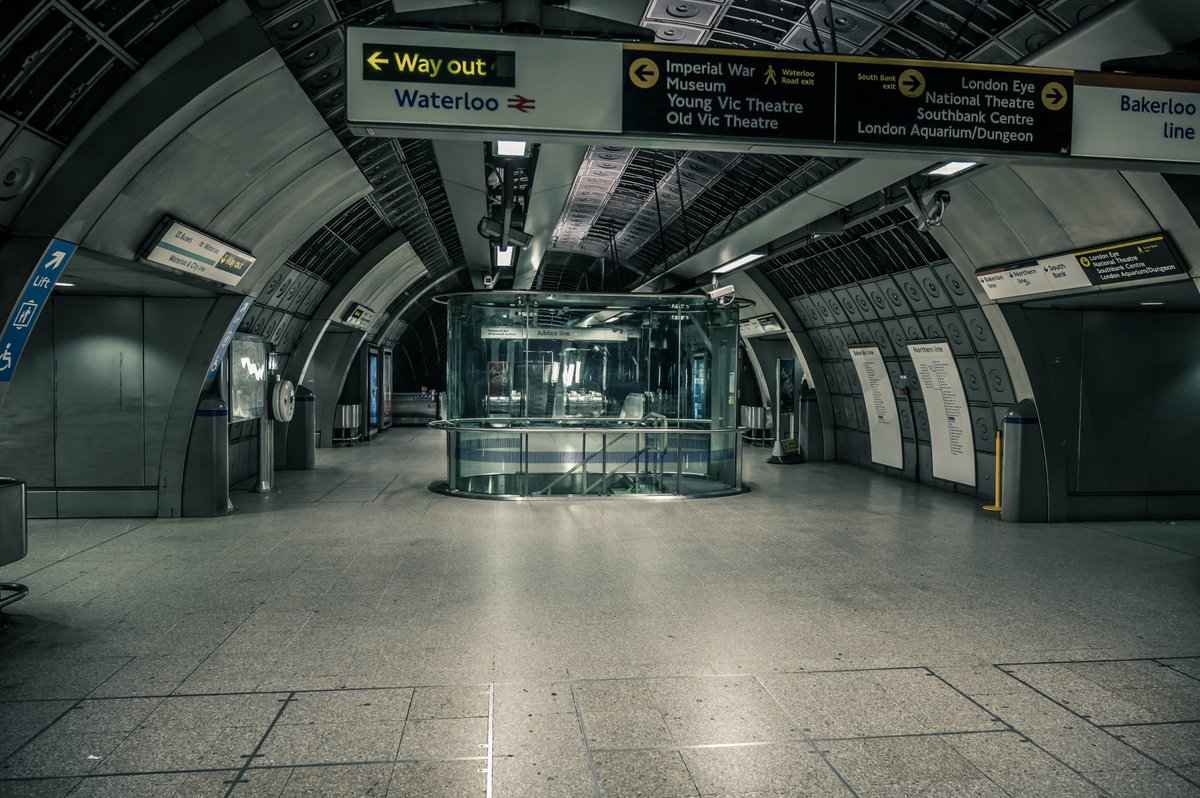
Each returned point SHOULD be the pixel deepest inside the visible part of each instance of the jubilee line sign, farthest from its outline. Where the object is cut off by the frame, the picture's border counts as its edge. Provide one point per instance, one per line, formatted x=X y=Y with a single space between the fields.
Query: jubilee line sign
x=400 y=82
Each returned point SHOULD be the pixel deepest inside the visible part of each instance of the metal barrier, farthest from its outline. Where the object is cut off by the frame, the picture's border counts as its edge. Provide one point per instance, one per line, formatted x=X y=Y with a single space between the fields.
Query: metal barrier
x=14 y=535
x=649 y=457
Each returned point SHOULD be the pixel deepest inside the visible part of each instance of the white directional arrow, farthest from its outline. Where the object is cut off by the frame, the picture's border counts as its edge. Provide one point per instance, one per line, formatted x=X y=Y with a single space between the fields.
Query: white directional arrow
x=55 y=260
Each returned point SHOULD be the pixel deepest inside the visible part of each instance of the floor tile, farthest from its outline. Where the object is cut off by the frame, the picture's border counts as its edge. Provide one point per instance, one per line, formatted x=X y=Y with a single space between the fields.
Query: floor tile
x=378 y=707
x=662 y=774
x=872 y=610
x=444 y=738
x=438 y=780
x=157 y=748
x=790 y=769
x=329 y=743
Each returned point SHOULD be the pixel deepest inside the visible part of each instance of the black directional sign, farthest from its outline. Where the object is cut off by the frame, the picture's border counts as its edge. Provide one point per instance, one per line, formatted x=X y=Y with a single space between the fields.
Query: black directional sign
x=918 y=104
x=449 y=65
x=727 y=93
x=1131 y=260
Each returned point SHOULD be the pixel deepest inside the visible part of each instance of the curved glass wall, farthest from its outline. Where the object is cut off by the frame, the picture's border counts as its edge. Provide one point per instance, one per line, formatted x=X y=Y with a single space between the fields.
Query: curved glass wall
x=584 y=394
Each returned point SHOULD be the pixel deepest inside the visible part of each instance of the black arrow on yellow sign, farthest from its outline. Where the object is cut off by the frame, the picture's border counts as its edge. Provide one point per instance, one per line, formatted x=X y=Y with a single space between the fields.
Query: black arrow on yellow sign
x=912 y=83
x=1054 y=95
x=644 y=73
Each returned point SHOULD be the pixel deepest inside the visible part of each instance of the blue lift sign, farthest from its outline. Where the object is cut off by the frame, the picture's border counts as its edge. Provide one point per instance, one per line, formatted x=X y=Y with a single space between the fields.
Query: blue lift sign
x=29 y=306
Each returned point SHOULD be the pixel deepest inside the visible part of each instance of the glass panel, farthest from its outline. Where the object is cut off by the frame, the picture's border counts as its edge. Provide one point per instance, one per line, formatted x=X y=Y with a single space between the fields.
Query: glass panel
x=591 y=392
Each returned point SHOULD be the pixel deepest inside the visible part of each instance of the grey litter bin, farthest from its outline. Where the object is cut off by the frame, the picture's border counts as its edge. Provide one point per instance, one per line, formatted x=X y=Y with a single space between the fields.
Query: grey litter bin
x=347 y=423
x=14 y=535
x=303 y=437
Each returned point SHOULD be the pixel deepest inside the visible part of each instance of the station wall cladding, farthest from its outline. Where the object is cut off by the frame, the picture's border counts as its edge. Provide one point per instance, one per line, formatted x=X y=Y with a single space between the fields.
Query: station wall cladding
x=884 y=282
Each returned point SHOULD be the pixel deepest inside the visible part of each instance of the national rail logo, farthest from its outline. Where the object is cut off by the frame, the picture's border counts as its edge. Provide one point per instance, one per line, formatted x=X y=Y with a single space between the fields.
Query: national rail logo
x=522 y=104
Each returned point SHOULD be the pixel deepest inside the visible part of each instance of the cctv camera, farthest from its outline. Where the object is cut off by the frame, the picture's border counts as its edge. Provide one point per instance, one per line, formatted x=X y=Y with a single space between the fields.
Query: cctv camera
x=719 y=291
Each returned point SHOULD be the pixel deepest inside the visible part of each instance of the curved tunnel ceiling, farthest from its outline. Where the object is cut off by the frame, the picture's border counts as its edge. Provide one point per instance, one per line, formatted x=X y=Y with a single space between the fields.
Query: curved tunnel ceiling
x=630 y=213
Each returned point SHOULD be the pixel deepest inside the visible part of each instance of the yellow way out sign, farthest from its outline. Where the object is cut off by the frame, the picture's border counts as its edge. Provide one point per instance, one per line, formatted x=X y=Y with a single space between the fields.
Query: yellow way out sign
x=403 y=63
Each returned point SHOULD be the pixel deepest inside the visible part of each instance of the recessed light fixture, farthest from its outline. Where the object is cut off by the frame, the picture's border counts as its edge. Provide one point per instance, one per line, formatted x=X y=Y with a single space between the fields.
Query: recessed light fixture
x=511 y=148
x=739 y=262
x=1150 y=303
x=61 y=284
x=504 y=256
x=952 y=168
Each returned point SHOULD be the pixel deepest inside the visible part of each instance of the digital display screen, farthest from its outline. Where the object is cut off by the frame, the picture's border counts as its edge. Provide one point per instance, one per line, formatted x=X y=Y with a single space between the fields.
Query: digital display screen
x=373 y=389
x=247 y=378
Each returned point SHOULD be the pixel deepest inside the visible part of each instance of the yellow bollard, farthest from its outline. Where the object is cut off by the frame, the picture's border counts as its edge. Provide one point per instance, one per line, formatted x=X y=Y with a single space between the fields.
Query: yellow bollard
x=996 y=507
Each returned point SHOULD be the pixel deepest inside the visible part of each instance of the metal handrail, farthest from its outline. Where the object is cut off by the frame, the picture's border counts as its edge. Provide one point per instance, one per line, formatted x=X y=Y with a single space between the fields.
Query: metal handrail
x=556 y=425
x=653 y=420
x=581 y=464
x=653 y=433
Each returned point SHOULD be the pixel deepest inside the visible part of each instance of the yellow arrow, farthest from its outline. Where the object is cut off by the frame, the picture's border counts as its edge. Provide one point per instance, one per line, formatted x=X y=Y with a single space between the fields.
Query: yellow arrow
x=376 y=59
x=912 y=83
x=1054 y=95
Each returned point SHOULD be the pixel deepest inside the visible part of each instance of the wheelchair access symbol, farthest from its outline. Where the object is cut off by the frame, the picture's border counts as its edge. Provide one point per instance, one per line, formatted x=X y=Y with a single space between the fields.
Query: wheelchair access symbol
x=6 y=358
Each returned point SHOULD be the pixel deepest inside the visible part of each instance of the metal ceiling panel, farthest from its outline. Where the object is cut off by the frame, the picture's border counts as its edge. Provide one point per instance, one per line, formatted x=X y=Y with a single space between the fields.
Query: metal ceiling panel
x=956 y=333
x=896 y=335
x=998 y=382
x=977 y=326
x=878 y=334
x=952 y=279
x=289 y=217
x=931 y=326
x=23 y=161
x=931 y=286
x=972 y=378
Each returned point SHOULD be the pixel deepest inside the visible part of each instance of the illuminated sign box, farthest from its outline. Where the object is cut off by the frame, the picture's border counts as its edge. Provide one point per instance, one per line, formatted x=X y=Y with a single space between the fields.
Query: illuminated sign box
x=185 y=249
x=359 y=316
x=1123 y=262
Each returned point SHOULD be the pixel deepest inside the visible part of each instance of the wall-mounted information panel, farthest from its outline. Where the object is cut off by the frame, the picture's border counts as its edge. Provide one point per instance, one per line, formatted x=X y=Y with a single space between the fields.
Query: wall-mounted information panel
x=359 y=316
x=950 y=435
x=882 y=419
x=760 y=325
x=1112 y=264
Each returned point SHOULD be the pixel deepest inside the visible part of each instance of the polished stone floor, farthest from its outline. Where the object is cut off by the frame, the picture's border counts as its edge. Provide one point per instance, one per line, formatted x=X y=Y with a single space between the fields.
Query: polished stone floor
x=831 y=633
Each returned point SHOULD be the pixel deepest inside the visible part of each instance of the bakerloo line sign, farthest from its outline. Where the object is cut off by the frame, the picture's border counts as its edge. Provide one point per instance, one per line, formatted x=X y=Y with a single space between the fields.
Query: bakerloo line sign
x=460 y=84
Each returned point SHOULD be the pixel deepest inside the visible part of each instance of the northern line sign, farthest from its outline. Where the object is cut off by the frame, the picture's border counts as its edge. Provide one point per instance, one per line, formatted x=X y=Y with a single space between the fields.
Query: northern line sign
x=400 y=82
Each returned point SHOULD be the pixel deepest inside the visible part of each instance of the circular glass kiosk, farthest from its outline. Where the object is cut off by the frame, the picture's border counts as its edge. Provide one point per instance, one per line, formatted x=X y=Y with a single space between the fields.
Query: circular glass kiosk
x=552 y=394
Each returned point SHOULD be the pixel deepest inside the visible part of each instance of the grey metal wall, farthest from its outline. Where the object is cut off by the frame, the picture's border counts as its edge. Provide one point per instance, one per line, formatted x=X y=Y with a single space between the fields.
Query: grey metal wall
x=906 y=291
x=1117 y=393
x=85 y=424
x=1011 y=214
x=243 y=451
